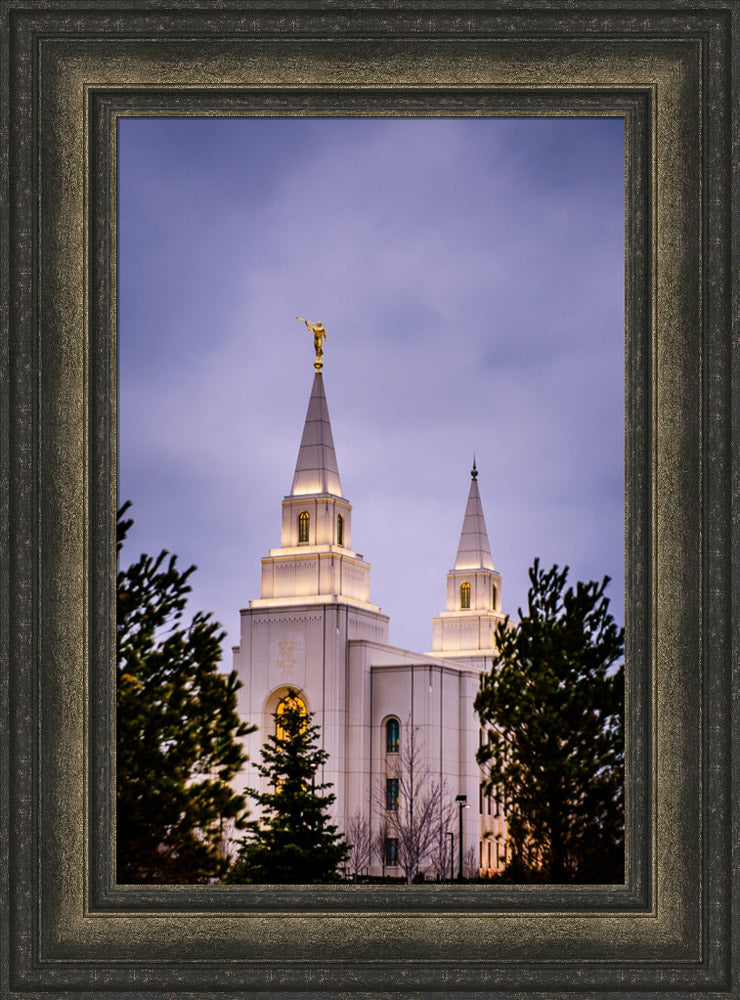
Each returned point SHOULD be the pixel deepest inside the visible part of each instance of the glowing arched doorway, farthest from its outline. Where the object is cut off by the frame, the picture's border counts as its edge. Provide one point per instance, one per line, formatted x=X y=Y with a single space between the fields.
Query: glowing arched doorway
x=290 y=703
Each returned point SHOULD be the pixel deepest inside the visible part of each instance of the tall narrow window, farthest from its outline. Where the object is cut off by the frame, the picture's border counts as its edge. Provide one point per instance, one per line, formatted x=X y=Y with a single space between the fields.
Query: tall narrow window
x=303 y=526
x=493 y=597
x=392 y=735
x=340 y=530
x=391 y=794
x=465 y=595
x=391 y=851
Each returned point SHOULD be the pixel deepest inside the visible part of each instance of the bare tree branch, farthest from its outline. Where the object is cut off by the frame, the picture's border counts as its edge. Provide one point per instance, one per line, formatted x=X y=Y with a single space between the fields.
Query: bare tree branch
x=360 y=844
x=422 y=813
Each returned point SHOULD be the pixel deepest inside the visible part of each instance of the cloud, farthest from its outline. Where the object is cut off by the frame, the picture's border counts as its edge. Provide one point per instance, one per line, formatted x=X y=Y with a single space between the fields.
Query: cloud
x=469 y=275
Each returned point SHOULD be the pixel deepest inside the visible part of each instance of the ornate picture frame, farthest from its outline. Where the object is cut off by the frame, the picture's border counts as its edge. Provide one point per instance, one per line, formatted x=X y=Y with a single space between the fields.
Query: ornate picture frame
x=70 y=69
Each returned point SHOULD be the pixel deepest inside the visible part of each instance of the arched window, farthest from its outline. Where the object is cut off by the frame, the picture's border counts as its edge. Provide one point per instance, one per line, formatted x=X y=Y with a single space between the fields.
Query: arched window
x=493 y=597
x=290 y=703
x=340 y=530
x=392 y=736
x=465 y=595
x=303 y=526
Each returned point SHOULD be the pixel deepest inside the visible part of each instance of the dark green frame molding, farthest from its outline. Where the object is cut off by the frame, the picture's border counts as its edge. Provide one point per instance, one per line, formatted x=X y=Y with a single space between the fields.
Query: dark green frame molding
x=69 y=70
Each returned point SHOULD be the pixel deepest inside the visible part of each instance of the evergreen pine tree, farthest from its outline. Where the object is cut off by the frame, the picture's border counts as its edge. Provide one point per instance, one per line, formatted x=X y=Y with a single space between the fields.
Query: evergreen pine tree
x=293 y=841
x=178 y=733
x=553 y=707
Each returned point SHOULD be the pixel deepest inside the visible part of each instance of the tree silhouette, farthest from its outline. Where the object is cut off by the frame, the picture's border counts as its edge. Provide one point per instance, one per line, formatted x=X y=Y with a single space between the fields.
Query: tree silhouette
x=178 y=733
x=293 y=841
x=553 y=706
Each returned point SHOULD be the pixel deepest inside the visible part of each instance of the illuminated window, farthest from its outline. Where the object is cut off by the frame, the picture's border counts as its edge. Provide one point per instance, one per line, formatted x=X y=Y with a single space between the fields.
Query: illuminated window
x=391 y=794
x=464 y=595
x=392 y=736
x=290 y=703
x=340 y=530
x=493 y=597
x=303 y=526
x=391 y=851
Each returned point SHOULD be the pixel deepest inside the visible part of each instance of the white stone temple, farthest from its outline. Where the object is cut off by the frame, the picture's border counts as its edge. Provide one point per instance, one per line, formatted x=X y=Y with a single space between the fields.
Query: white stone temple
x=314 y=630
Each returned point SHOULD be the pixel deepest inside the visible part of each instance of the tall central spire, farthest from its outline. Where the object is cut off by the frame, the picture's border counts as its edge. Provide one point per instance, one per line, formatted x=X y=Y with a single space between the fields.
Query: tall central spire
x=316 y=468
x=474 y=550
x=315 y=563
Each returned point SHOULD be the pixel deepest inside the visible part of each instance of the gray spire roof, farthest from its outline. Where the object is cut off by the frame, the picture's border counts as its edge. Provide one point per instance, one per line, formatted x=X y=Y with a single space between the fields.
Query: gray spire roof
x=474 y=550
x=316 y=469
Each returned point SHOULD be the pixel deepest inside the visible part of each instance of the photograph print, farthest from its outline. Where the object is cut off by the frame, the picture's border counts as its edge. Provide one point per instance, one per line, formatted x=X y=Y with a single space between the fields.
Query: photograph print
x=370 y=592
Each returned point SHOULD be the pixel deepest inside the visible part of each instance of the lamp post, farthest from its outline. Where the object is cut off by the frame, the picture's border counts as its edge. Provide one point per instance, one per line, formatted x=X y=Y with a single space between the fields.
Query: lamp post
x=462 y=804
x=452 y=855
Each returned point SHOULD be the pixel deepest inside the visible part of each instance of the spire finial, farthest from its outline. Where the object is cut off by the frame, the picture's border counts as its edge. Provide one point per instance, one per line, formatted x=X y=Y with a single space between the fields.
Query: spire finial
x=474 y=470
x=319 y=335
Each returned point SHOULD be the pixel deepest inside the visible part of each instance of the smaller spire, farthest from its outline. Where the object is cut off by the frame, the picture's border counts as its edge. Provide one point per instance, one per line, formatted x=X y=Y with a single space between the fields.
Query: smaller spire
x=474 y=550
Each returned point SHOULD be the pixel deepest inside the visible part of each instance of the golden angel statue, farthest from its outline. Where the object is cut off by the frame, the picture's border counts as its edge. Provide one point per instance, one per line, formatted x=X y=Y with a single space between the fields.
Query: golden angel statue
x=319 y=336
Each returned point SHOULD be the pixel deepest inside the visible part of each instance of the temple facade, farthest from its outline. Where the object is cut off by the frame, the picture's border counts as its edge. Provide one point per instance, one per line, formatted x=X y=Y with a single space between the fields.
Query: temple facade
x=397 y=725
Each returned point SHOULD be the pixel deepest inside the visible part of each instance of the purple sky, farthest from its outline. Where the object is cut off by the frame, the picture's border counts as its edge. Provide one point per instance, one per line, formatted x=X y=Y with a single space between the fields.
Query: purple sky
x=470 y=276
